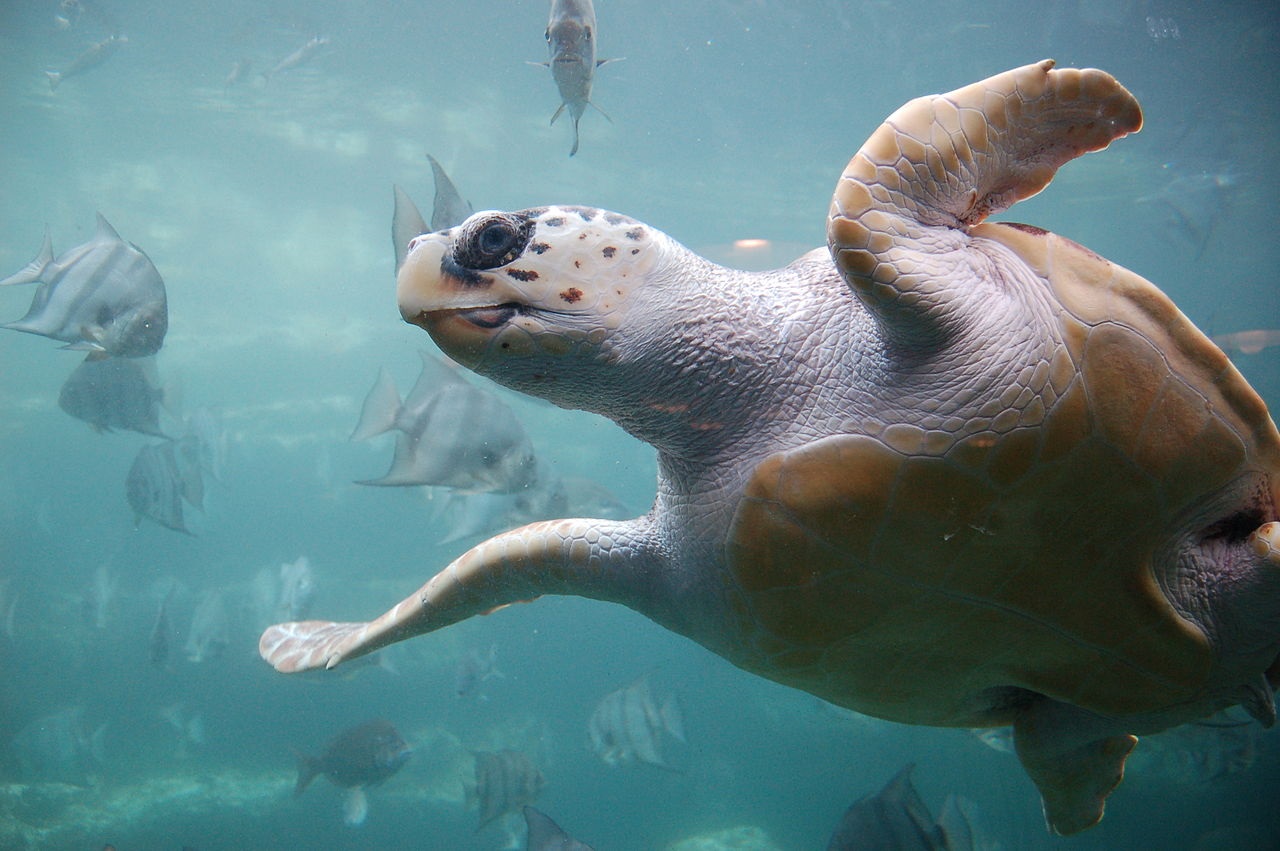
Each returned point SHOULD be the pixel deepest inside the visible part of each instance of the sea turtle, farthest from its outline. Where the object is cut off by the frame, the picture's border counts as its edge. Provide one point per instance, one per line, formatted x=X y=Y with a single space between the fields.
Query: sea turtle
x=948 y=472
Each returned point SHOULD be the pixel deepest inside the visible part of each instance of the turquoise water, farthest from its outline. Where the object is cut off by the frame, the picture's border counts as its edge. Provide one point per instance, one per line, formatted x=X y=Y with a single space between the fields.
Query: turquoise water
x=266 y=204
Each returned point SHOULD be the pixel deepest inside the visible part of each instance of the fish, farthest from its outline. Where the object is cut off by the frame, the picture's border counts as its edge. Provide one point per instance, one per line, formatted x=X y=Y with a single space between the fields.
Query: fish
x=104 y=296
x=160 y=642
x=546 y=835
x=115 y=393
x=188 y=724
x=300 y=56
x=469 y=515
x=448 y=210
x=239 y=72
x=297 y=589
x=357 y=758
x=571 y=38
x=100 y=596
x=451 y=434
x=58 y=747
x=93 y=56
x=154 y=487
x=474 y=669
x=208 y=635
x=897 y=818
x=1199 y=753
x=628 y=726
x=1248 y=342
x=506 y=781
x=205 y=426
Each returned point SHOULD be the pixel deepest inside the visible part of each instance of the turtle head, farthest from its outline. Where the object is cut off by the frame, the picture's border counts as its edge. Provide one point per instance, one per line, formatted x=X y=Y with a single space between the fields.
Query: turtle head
x=528 y=297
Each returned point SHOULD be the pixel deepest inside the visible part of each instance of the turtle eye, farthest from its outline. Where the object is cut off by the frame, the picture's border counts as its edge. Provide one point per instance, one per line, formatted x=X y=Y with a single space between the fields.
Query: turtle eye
x=492 y=241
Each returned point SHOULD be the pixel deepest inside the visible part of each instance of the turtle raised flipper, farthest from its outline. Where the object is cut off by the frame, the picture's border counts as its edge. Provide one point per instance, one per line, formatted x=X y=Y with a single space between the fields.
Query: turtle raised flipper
x=576 y=556
x=951 y=160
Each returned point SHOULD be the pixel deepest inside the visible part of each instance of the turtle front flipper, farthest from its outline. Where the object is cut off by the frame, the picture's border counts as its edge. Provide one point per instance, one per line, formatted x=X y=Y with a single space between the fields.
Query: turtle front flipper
x=602 y=559
x=945 y=162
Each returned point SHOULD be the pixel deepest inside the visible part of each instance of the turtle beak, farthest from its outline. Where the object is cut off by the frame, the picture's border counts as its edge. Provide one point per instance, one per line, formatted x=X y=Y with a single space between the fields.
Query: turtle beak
x=460 y=308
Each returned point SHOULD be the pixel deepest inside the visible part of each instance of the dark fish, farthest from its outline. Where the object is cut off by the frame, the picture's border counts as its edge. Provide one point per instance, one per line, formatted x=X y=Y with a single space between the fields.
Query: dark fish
x=115 y=393
x=546 y=835
x=452 y=434
x=506 y=780
x=299 y=56
x=571 y=38
x=896 y=818
x=58 y=747
x=94 y=56
x=357 y=758
x=104 y=296
x=628 y=725
x=448 y=210
x=155 y=488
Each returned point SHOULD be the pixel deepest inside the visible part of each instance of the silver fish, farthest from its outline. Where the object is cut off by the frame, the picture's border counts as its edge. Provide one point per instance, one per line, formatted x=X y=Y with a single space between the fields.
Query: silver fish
x=299 y=56
x=506 y=781
x=104 y=296
x=571 y=38
x=896 y=817
x=468 y=515
x=545 y=835
x=154 y=487
x=100 y=596
x=297 y=589
x=94 y=56
x=161 y=640
x=58 y=747
x=474 y=669
x=447 y=210
x=628 y=725
x=452 y=434
x=115 y=393
x=205 y=427
x=209 y=634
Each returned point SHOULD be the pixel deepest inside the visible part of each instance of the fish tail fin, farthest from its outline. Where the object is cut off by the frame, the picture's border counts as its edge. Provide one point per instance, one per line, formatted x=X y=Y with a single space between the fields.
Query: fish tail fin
x=574 y=149
x=55 y=77
x=308 y=768
x=32 y=272
x=673 y=718
x=380 y=410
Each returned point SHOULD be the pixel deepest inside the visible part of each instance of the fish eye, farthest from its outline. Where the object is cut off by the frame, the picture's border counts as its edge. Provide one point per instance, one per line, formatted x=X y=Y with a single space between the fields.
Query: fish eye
x=492 y=241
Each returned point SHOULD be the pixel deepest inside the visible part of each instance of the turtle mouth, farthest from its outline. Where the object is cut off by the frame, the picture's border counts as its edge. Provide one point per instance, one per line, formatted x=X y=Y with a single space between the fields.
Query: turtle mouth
x=487 y=316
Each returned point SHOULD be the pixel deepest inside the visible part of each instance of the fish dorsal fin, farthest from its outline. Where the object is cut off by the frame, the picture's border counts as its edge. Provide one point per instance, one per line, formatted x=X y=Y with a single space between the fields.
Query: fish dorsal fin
x=31 y=272
x=104 y=232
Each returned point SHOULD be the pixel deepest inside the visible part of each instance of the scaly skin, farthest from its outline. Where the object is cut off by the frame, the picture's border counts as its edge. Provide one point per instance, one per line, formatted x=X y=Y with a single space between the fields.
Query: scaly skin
x=966 y=474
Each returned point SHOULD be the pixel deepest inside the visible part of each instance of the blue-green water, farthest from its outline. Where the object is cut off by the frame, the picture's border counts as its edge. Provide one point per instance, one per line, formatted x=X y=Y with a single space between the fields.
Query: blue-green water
x=266 y=207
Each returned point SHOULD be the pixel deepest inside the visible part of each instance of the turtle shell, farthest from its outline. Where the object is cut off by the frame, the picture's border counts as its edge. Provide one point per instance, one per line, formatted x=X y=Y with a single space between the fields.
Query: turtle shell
x=920 y=573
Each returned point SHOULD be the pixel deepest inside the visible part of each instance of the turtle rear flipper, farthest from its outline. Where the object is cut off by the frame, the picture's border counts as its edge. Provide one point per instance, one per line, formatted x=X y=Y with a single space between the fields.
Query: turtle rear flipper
x=1074 y=763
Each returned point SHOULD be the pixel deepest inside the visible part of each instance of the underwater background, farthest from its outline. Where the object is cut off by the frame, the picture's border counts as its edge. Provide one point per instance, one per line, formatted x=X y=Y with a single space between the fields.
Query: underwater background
x=264 y=200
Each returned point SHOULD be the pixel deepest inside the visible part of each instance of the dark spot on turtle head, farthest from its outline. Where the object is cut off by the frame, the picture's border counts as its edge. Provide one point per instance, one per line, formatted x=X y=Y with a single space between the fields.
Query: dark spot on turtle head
x=577 y=264
x=469 y=278
x=1031 y=229
x=539 y=247
x=533 y=212
x=635 y=251
x=608 y=251
x=554 y=222
x=615 y=219
x=587 y=213
x=571 y=295
x=523 y=274
x=635 y=234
